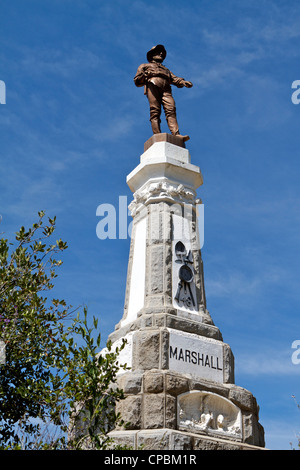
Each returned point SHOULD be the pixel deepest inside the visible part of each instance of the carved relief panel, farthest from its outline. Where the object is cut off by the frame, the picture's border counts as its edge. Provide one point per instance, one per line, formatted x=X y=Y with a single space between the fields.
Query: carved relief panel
x=208 y=412
x=184 y=289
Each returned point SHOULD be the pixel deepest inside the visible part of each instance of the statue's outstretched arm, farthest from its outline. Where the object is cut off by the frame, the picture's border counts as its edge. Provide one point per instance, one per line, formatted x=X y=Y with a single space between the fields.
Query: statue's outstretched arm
x=180 y=82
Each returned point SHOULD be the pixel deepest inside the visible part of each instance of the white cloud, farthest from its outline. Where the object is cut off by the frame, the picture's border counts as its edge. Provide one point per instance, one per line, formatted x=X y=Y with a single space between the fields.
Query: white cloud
x=267 y=361
x=235 y=283
x=62 y=63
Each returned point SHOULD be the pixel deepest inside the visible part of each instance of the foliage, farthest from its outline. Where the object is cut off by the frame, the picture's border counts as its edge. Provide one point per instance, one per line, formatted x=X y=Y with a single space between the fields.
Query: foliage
x=52 y=370
x=89 y=402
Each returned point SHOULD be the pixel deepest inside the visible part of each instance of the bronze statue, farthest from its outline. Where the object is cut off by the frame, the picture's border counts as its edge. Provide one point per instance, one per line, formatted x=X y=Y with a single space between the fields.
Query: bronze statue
x=157 y=81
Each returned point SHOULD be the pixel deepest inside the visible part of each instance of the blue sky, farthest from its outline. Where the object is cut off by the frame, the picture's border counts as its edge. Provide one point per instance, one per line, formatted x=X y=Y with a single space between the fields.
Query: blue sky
x=74 y=126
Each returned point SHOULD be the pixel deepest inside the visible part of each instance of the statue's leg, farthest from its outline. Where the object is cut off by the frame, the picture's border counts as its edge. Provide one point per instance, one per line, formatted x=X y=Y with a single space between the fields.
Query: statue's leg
x=170 y=111
x=155 y=97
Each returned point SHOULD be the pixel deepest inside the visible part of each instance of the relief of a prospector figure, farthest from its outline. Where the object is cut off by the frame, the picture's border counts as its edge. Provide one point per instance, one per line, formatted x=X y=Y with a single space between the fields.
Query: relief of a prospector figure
x=157 y=81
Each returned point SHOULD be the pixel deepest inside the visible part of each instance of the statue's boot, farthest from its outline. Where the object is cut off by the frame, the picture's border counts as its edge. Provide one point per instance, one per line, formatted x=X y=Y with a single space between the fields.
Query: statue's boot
x=183 y=137
x=173 y=126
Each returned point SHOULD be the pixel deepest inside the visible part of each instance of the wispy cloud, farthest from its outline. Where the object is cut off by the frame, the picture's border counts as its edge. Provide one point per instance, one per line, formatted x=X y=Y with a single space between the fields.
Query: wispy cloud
x=245 y=58
x=268 y=361
x=64 y=63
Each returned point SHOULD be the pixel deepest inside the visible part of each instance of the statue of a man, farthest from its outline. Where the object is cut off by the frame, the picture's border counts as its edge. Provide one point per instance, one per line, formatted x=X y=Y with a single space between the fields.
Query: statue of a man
x=157 y=81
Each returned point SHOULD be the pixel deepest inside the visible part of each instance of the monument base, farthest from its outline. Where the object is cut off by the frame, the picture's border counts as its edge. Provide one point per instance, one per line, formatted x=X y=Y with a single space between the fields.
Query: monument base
x=167 y=439
x=171 y=410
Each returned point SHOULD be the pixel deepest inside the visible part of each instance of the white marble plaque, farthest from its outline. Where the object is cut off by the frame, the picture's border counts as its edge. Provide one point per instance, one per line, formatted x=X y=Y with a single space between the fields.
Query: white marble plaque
x=199 y=356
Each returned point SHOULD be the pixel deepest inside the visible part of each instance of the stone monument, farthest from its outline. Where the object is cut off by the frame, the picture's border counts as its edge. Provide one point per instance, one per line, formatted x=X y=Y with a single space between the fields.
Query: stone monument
x=180 y=392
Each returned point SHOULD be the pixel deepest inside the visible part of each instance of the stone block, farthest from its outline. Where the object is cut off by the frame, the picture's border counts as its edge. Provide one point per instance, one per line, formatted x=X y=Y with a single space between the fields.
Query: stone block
x=201 y=443
x=131 y=383
x=253 y=431
x=153 y=382
x=123 y=438
x=164 y=343
x=196 y=327
x=144 y=321
x=180 y=441
x=146 y=349
x=261 y=435
x=153 y=410
x=155 y=225
x=228 y=364
x=176 y=384
x=155 y=301
x=153 y=439
x=205 y=385
x=157 y=271
x=242 y=398
x=160 y=320
x=168 y=274
x=170 y=413
x=130 y=409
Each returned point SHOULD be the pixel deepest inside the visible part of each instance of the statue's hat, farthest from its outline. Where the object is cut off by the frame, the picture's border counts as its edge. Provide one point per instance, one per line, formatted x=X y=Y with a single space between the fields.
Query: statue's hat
x=156 y=49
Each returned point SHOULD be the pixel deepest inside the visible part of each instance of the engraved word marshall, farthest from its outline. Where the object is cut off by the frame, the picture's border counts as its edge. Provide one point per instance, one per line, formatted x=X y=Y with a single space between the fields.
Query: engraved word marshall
x=195 y=357
x=199 y=356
